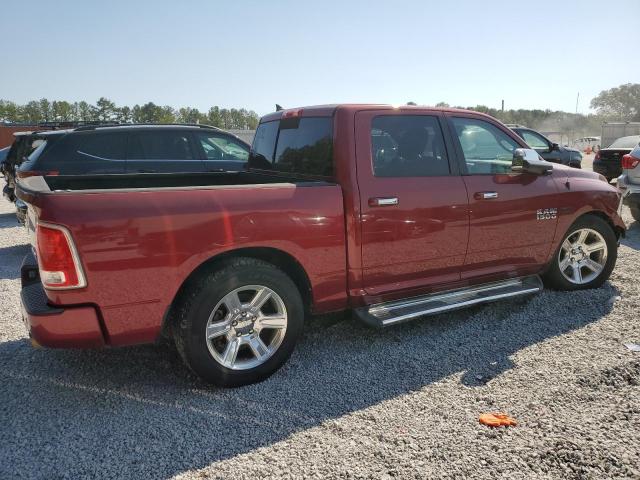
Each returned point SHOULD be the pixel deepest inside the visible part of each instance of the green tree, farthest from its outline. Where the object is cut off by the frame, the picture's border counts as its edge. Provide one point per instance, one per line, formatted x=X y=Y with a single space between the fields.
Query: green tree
x=46 y=113
x=124 y=114
x=105 y=110
x=84 y=112
x=62 y=111
x=622 y=102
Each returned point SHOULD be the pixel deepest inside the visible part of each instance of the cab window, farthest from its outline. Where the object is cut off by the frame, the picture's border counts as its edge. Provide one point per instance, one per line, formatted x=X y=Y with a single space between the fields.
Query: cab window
x=534 y=140
x=486 y=148
x=408 y=146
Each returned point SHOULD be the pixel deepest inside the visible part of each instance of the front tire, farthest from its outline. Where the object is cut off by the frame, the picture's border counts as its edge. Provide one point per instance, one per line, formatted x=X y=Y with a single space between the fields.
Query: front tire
x=635 y=213
x=238 y=324
x=586 y=256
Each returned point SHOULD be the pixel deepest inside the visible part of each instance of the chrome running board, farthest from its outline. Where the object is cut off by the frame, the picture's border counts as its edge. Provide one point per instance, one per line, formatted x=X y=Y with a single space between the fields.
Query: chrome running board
x=385 y=314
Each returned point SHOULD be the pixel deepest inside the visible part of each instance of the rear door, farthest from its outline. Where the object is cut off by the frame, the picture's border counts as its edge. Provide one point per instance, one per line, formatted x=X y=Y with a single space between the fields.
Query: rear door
x=162 y=150
x=512 y=216
x=414 y=217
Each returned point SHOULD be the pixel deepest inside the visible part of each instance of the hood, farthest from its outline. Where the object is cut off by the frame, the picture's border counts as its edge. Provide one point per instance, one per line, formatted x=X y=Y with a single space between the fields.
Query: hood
x=565 y=172
x=572 y=150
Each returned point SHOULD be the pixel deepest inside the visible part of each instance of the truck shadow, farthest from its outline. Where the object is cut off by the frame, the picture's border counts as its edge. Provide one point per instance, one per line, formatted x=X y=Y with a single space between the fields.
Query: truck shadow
x=632 y=238
x=11 y=259
x=8 y=220
x=126 y=412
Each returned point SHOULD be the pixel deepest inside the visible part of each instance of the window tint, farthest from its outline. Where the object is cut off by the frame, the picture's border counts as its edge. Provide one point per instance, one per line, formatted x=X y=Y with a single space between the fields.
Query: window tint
x=534 y=140
x=159 y=145
x=294 y=145
x=408 y=146
x=221 y=147
x=103 y=145
x=486 y=148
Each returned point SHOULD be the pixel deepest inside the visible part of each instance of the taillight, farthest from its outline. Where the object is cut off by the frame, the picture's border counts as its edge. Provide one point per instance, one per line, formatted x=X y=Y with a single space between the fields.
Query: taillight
x=597 y=157
x=57 y=258
x=629 y=162
x=35 y=173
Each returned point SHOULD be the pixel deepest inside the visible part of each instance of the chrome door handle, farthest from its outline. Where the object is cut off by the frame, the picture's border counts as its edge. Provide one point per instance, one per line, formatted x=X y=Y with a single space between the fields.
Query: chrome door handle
x=486 y=195
x=383 y=201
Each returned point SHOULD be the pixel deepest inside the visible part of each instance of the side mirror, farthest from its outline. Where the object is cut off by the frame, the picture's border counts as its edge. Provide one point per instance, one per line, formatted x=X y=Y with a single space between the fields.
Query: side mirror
x=554 y=146
x=528 y=160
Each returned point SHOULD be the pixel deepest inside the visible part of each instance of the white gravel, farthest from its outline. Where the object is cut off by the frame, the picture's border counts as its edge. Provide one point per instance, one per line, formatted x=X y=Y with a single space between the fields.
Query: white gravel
x=351 y=402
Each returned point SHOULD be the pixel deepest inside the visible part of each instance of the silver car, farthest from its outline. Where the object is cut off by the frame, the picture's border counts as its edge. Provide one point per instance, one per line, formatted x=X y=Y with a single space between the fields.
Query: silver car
x=629 y=181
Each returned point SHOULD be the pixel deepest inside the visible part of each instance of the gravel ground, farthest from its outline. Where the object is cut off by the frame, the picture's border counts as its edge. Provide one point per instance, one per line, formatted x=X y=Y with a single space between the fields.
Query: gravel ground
x=351 y=402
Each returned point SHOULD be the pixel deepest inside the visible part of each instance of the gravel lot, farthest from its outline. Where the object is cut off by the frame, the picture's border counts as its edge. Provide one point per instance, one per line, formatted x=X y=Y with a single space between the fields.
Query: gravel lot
x=351 y=402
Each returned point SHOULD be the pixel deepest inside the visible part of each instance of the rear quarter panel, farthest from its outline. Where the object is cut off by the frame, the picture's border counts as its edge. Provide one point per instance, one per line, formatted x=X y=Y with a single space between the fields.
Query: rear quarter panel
x=138 y=247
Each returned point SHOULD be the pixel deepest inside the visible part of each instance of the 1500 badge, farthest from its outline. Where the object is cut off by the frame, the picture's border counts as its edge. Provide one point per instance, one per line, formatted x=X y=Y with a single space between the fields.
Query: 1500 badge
x=547 y=213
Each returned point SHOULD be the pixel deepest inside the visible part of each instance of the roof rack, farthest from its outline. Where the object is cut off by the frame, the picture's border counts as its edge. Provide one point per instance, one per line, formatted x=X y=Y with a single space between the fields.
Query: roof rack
x=116 y=124
x=59 y=124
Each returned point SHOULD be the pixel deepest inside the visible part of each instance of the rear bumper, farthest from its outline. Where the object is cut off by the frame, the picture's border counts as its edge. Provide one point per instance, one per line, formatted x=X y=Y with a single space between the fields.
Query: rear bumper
x=51 y=326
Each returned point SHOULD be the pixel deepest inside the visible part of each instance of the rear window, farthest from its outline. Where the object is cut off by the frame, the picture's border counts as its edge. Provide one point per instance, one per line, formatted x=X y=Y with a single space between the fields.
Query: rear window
x=625 y=142
x=294 y=145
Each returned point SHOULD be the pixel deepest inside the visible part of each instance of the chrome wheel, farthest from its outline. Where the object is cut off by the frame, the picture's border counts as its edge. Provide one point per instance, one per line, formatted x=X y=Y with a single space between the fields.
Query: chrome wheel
x=582 y=256
x=246 y=327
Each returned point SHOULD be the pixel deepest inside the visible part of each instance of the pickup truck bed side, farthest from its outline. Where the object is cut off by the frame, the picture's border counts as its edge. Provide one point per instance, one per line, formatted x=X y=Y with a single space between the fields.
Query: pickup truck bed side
x=136 y=259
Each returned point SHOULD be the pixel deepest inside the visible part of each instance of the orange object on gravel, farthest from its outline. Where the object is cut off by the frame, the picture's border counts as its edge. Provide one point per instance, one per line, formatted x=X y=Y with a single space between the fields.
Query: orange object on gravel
x=497 y=420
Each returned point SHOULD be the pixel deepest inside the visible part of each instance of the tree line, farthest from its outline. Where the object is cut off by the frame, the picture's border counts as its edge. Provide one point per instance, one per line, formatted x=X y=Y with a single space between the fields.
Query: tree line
x=104 y=110
x=618 y=104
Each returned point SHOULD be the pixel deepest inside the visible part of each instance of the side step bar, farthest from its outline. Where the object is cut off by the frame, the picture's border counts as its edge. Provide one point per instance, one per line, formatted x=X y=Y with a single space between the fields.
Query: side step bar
x=385 y=314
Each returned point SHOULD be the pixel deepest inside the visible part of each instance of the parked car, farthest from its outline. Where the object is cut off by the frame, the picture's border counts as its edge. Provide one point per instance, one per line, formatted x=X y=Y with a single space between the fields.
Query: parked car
x=137 y=149
x=587 y=143
x=22 y=146
x=608 y=161
x=629 y=181
x=550 y=151
x=395 y=213
x=3 y=157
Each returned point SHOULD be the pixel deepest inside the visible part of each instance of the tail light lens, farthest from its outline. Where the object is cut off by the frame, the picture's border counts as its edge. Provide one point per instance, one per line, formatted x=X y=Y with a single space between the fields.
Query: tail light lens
x=35 y=173
x=629 y=161
x=57 y=258
x=597 y=157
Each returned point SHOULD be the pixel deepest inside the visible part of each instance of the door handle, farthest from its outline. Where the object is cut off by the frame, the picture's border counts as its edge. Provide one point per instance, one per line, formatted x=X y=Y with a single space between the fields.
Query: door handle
x=383 y=201
x=485 y=195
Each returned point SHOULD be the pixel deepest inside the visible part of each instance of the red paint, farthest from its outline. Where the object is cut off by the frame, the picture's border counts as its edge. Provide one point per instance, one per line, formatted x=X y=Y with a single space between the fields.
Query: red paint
x=76 y=327
x=138 y=247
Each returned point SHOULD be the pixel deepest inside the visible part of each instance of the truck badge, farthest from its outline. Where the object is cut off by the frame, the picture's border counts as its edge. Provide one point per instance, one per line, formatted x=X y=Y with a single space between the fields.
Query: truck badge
x=547 y=213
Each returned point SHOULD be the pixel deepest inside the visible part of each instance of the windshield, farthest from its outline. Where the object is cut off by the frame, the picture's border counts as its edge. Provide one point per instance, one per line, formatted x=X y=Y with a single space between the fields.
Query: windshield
x=626 y=142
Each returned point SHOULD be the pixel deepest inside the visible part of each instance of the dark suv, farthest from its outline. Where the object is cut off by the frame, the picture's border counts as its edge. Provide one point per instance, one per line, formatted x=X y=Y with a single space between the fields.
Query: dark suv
x=550 y=151
x=136 y=149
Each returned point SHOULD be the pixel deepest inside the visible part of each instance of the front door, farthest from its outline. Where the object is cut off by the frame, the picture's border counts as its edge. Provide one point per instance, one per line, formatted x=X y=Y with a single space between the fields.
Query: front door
x=512 y=215
x=414 y=219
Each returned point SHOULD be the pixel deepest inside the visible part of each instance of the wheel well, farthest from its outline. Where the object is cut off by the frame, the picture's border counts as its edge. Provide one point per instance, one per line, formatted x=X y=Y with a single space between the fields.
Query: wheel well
x=282 y=260
x=597 y=213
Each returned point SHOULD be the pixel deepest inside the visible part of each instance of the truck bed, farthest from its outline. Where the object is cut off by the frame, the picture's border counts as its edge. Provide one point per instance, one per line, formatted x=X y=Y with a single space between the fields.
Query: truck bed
x=139 y=237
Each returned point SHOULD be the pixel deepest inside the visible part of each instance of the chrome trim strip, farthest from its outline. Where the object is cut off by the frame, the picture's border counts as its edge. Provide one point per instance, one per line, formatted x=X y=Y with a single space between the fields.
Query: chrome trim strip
x=454 y=306
x=443 y=296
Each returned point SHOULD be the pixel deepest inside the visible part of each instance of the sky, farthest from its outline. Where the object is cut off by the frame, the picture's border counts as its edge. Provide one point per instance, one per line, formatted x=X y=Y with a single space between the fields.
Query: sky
x=254 y=54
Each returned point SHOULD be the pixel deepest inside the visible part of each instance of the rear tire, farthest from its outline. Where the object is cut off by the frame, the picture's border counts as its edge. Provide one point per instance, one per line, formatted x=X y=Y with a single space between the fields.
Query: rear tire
x=227 y=333
x=585 y=257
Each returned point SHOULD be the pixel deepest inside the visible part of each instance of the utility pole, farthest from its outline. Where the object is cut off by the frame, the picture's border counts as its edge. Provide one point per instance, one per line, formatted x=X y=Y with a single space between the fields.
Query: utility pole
x=503 y=105
x=577 y=98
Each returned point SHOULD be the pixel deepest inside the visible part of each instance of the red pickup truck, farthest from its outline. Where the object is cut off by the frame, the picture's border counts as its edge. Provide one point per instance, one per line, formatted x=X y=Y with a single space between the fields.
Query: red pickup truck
x=393 y=213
